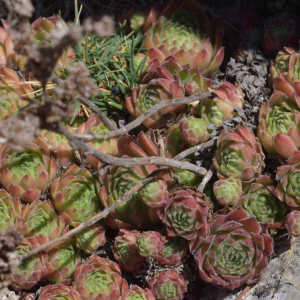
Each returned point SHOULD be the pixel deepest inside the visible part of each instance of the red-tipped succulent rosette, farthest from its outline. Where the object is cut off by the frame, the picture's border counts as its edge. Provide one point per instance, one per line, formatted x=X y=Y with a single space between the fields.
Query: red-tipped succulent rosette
x=33 y=269
x=168 y=285
x=288 y=84
x=99 y=278
x=236 y=251
x=27 y=173
x=292 y=223
x=239 y=154
x=126 y=251
x=107 y=146
x=150 y=243
x=135 y=292
x=58 y=291
x=185 y=214
x=145 y=96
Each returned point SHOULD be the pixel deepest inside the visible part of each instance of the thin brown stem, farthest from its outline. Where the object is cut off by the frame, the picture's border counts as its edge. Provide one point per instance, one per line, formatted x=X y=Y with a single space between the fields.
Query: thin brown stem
x=206 y=178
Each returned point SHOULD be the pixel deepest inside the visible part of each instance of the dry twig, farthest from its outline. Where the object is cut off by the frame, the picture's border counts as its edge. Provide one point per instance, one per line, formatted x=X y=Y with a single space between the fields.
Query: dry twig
x=206 y=178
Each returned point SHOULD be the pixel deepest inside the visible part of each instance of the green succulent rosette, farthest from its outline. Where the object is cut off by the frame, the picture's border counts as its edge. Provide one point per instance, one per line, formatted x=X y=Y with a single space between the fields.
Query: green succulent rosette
x=186 y=178
x=76 y=195
x=174 y=142
x=228 y=191
x=10 y=212
x=63 y=259
x=99 y=277
x=261 y=203
x=150 y=243
x=137 y=293
x=58 y=292
x=41 y=221
x=33 y=269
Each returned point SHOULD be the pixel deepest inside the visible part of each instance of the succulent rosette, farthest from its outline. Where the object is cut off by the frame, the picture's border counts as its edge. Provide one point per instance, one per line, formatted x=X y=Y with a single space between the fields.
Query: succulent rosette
x=135 y=292
x=145 y=96
x=187 y=178
x=174 y=250
x=10 y=212
x=178 y=32
x=292 y=223
x=185 y=214
x=126 y=251
x=27 y=173
x=236 y=251
x=63 y=259
x=76 y=195
x=261 y=203
x=33 y=269
x=287 y=60
x=91 y=238
x=57 y=292
x=288 y=84
x=118 y=180
x=41 y=221
x=168 y=285
x=228 y=191
x=217 y=110
x=288 y=176
x=279 y=124
x=107 y=146
x=98 y=278
x=239 y=154
x=192 y=78
x=174 y=142
x=60 y=147
x=279 y=32
x=193 y=130
x=150 y=243
x=154 y=193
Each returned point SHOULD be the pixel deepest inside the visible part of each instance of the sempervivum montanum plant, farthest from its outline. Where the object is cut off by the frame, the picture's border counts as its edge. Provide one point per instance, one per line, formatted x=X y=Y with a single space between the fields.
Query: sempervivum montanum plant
x=60 y=147
x=41 y=221
x=236 y=251
x=10 y=212
x=119 y=180
x=33 y=269
x=76 y=195
x=187 y=178
x=279 y=124
x=174 y=250
x=239 y=154
x=261 y=203
x=287 y=61
x=192 y=78
x=186 y=214
x=57 y=292
x=184 y=31
x=63 y=258
x=217 y=110
x=135 y=292
x=126 y=251
x=158 y=90
x=228 y=191
x=107 y=146
x=27 y=173
x=288 y=176
x=292 y=223
x=99 y=278
x=168 y=285
x=91 y=238
x=150 y=243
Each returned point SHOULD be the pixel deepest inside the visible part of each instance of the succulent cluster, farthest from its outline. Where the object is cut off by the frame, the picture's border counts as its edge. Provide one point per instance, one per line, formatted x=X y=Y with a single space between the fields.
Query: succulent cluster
x=222 y=224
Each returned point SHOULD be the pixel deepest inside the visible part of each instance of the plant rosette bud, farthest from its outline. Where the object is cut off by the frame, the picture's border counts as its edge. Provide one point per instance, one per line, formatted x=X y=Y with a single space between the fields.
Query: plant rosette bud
x=228 y=191
x=98 y=278
x=187 y=178
x=168 y=285
x=261 y=203
x=58 y=292
x=126 y=251
x=137 y=293
x=91 y=238
x=174 y=250
x=185 y=213
x=236 y=251
x=33 y=269
x=150 y=243
x=238 y=155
